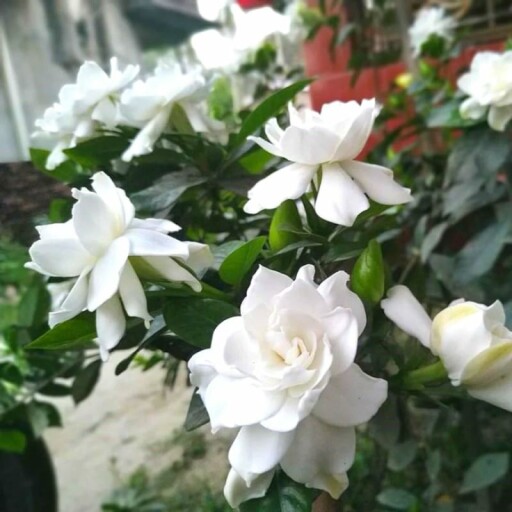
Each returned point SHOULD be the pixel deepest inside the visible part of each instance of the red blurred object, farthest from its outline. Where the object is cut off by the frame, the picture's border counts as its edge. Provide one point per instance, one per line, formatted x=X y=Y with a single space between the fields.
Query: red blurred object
x=253 y=4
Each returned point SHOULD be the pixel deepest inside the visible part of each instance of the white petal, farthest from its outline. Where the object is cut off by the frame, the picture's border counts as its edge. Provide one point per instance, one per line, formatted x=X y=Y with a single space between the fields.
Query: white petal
x=321 y=455
x=302 y=296
x=309 y=146
x=237 y=491
x=105 y=276
x=340 y=199
x=336 y=293
x=160 y=225
x=144 y=242
x=341 y=328
x=257 y=450
x=57 y=230
x=173 y=271
x=105 y=112
x=110 y=325
x=471 y=109
x=287 y=417
x=269 y=147
x=57 y=155
x=94 y=223
x=238 y=402
x=357 y=135
x=290 y=182
x=351 y=398
x=499 y=117
x=200 y=257
x=378 y=182
x=273 y=131
x=265 y=285
x=60 y=257
x=132 y=294
x=404 y=310
x=74 y=303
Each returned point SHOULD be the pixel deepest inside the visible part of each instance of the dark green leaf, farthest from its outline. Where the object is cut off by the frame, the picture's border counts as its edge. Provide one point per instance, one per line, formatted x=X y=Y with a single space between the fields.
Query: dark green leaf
x=74 y=333
x=368 y=274
x=197 y=415
x=283 y=495
x=195 y=319
x=240 y=261
x=485 y=471
x=402 y=454
x=397 y=499
x=67 y=171
x=269 y=108
x=100 y=150
x=285 y=216
x=55 y=389
x=85 y=381
x=12 y=441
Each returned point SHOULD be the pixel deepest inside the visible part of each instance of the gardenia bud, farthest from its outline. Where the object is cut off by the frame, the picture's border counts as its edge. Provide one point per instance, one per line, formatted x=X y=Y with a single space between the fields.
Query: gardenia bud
x=470 y=339
x=284 y=372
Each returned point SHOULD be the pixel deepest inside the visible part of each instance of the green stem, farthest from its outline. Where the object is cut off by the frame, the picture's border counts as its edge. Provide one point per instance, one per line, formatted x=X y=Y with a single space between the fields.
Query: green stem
x=416 y=379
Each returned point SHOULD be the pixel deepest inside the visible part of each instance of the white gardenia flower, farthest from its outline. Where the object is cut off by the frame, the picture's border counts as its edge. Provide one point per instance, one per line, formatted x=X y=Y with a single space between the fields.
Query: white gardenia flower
x=284 y=373
x=328 y=142
x=471 y=340
x=82 y=108
x=430 y=21
x=103 y=246
x=148 y=105
x=488 y=84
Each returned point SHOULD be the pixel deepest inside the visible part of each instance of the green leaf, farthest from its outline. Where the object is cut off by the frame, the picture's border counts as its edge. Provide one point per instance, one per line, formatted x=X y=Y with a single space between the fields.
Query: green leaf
x=368 y=274
x=220 y=99
x=283 y=495
x=402 y=454
x=269 y=108
x=74 y=333
x=195 y=319
x=85 y=381
x=34 y=304
x=397 y=499
x=239 y=262
x=485 y=471
x=197 y=415
x=12 y=441
x=100 y=150
x=284 y=217
x=66 y=171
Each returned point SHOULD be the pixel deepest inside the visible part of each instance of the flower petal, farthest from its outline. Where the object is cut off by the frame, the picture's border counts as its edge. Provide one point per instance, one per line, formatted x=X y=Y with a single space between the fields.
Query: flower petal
x=257 y=450
x=340 y=199
x=132 y=294
x=110 y=325
x=290 y=182
x=336 y=293
x=173 y=271
x=320 y=456
x=106 y=274
x=160 y=225
x=351 y=398
x=302 y=296
x=269 y=147
x=144 y=242
x=472 y=109
x=378 y=182
x=74 y=303
x=200 y=257
x=237 y=491
x=265 y=285
x=404 y=310
x=499 y=117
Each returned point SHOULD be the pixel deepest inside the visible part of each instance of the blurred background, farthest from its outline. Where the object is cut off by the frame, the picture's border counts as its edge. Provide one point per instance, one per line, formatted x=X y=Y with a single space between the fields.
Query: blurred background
x=123 y=448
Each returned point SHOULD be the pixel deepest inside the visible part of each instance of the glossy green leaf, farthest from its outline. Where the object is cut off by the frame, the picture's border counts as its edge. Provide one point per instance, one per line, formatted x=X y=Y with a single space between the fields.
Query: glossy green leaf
x=485 y=471
x=283 y=495
x=85 y=381
x=368 y=274
x=97 y=151
x=67 y=172
x=285 y=217
x=269 y=108
x=12 y=441
x=195 y=319
x=74 y=333
x=240 y=261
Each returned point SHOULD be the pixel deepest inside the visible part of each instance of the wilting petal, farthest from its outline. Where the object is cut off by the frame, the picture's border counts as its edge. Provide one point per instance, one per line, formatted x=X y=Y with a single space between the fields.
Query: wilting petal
x=404 y=310
x=132 y=294
x=321 y=455
x=257 y=450
x=152 y=243
x=340 y=199
x=237 y=491
x=106 y=274
x=110 y=325
x=378 y=183
x=499 y=117
x=290 y=182
x=351 y=398
x=336 y=293
x=61 y=257
x=265 y=285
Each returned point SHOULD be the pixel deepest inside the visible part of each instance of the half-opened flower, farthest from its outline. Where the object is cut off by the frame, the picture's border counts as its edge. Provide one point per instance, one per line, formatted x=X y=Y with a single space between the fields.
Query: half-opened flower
x=470 y=339
x=103 y=246
x=284 y=373
x=430 y=21
x=488 y=84
x=148 y=105
x=83 y=106
x=322 y=147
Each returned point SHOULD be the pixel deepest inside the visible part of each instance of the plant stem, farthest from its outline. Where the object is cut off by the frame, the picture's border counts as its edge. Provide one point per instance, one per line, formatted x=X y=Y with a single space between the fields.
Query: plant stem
x=416 y=379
